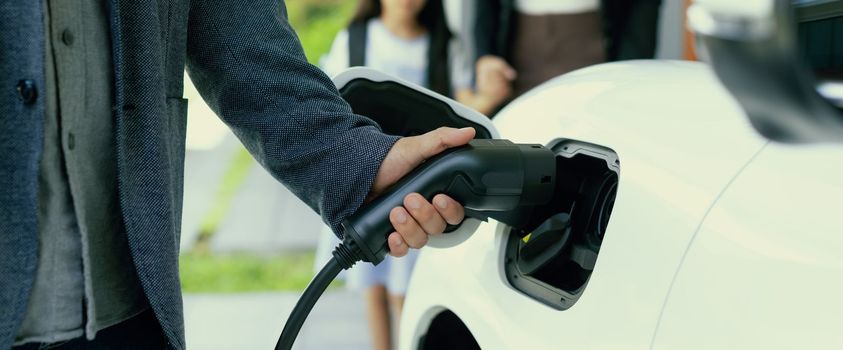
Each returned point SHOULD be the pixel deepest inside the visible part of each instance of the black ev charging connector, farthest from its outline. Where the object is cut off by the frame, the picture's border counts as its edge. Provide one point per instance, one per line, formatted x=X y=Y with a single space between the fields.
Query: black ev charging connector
x=490 y=178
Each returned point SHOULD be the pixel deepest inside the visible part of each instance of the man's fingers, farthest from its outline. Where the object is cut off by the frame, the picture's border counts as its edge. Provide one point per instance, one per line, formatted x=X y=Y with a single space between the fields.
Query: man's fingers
x=450 y=210
x=407 y=227
x=406 y=154
x=424 y=214
x=397 y=246
x=418 y=219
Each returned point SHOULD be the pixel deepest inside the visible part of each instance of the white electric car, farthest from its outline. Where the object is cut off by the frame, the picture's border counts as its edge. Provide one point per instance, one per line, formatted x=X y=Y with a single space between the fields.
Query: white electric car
x=698 y=206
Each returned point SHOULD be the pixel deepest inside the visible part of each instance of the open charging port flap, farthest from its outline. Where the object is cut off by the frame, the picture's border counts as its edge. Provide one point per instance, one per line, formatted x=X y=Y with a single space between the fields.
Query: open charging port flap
x=552 y=256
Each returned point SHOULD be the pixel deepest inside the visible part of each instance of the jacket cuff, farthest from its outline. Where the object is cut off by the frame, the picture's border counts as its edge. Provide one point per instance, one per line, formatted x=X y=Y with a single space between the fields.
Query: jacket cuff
x=359 y=153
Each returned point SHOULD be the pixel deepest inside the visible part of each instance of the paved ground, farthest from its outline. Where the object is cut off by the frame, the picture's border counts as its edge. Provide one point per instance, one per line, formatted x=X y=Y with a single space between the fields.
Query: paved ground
x=203 y=172
x=255 y=320
x=264 y=215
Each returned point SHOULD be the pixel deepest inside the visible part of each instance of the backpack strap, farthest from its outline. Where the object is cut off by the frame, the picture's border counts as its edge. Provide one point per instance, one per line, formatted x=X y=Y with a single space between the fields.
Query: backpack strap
x=357 y=35
x=438 y=75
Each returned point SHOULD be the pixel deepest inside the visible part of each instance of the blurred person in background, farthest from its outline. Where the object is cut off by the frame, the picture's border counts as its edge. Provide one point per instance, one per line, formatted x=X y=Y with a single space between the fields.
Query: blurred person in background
x=410 y=40
x=487 y=95
x=520 y=44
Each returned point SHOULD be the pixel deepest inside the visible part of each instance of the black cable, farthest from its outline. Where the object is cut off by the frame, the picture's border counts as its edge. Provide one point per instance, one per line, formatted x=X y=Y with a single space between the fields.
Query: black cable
x=345 y=255
x=305 y=304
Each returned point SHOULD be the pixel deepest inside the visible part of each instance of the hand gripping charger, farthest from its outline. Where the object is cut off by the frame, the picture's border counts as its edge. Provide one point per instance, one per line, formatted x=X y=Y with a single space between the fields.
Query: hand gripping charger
x=490 y=178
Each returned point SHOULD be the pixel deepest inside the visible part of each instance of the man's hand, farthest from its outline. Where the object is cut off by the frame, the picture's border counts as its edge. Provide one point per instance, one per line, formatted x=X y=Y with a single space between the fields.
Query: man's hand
x=419 y=218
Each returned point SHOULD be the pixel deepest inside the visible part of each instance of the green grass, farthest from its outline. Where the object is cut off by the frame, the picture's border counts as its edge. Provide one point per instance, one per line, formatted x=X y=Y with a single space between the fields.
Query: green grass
x=233 y=273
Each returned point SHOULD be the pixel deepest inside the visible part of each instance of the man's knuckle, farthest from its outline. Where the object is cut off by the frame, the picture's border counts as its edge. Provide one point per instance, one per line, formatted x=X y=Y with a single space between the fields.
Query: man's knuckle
x=427 y=212
x=421 y=241
x=455 y=217
x=440 y=227
x=418 y=240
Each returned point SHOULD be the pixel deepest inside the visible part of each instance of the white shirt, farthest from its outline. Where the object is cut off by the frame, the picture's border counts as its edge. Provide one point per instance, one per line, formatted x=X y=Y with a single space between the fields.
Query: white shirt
x=460 y=16
x=549 y=7
x=386 y=52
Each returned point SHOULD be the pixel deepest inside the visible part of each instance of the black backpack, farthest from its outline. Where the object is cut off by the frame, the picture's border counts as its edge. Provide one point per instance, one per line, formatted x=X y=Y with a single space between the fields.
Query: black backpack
x=438 y=78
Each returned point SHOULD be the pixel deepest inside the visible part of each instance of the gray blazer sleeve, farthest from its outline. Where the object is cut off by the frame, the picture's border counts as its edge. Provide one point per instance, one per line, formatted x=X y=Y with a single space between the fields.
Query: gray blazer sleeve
x=248 y=64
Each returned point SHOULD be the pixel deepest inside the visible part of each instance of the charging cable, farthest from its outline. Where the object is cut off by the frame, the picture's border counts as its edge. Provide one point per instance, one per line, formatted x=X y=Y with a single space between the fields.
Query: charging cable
x=345 y=255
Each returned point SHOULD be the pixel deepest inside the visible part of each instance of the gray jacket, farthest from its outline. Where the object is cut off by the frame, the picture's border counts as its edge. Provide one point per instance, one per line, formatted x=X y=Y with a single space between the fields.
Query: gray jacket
x=248 y=65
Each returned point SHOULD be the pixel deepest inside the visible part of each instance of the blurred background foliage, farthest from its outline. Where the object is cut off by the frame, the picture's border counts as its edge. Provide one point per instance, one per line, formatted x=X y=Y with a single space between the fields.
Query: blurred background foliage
x=317 y=22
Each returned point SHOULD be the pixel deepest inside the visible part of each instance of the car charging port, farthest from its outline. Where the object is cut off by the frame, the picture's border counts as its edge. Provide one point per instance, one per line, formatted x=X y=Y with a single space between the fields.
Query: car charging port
x=551 y=257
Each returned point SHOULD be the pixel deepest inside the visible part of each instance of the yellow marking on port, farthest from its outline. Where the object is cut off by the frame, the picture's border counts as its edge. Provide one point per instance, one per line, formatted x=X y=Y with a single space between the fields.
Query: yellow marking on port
x=527 y=237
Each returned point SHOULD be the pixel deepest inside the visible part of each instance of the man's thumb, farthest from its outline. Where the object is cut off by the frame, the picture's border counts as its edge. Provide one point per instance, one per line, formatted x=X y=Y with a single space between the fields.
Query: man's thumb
x=410 y=152
x=436 y=141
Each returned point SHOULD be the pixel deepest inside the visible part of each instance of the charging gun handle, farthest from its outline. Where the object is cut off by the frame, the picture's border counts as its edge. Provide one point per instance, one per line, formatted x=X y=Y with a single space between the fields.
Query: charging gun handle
x=484 y=176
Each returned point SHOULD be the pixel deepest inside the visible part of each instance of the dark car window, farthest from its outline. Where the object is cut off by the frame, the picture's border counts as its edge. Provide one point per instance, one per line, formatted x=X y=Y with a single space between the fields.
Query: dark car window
x=821 y=36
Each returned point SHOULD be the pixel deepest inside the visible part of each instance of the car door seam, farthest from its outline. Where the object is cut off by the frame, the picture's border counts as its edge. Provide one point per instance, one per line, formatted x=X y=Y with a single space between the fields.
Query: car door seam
x=694 y=237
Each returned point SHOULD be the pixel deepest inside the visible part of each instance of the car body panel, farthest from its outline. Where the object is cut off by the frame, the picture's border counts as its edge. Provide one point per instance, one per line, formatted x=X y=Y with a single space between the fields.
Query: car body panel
x=765 y=269
x=680 y=139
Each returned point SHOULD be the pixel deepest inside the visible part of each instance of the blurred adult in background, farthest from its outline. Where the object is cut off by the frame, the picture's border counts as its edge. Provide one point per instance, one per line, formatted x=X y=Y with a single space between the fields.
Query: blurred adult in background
x=485 y=96
x=410 y=40
x=521 y=43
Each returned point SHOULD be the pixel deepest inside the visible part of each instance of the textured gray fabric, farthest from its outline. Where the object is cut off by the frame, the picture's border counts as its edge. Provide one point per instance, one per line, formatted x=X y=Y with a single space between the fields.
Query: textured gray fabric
x=79 y=220
x=21 y=132
x=112 y=290
x=249 y=66
x=54 y=312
